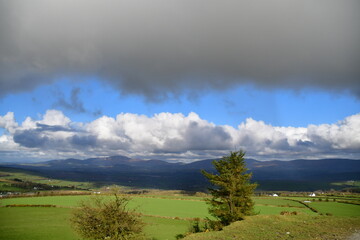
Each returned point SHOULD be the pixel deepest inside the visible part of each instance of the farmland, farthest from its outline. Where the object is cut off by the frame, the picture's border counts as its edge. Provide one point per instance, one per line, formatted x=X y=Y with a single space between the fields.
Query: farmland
x=17 y=180
x=301 y=227
x=166 y=213
x=165 y=216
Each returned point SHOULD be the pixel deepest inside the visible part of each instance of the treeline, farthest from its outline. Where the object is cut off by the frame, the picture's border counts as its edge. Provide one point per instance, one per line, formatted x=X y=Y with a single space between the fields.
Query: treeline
x=38 y=186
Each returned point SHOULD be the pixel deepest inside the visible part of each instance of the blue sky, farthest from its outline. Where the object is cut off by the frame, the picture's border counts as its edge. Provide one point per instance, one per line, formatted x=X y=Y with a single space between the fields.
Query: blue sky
x=278 y=107
x=179 y=80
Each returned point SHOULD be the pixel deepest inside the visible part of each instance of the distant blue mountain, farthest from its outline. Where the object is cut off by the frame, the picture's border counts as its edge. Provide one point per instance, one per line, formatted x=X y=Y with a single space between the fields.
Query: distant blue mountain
x=275 y=175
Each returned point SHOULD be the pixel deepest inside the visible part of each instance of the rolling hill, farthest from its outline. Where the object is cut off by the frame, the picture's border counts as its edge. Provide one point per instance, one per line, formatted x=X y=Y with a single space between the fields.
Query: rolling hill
x=296 y=175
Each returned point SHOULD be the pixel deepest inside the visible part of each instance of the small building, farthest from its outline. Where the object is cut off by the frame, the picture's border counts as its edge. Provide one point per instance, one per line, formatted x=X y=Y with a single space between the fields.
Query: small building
x=312 y=195
x=275 y=195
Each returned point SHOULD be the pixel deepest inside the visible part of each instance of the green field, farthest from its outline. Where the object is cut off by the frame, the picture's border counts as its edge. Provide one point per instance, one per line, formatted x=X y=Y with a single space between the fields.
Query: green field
x=347 y=183
x=275 y=227
x=35 y=223
x=61 y=201
x=52 y=223
x=7 y=176
x=337 y=209
x=149 y=206
x=167 y=207
x=165 y=217
x=276 y=202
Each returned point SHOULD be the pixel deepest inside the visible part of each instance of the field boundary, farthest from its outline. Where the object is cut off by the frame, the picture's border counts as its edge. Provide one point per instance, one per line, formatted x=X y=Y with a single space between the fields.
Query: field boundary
x=306 y=205
x=30 y=205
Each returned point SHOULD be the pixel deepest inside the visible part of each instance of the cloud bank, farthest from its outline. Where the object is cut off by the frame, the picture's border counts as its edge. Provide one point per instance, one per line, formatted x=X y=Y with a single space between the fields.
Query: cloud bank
x=173 y=137
x=159 y=48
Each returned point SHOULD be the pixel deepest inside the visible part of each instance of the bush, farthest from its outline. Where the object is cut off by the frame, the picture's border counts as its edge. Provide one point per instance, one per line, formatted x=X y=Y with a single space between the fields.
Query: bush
x=180 y=236
x=195 y=227
x=110 y=219
x=213 y=225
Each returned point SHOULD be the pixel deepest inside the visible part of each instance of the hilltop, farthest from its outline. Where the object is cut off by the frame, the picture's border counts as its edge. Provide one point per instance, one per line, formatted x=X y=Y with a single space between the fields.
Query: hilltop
x=295 y=175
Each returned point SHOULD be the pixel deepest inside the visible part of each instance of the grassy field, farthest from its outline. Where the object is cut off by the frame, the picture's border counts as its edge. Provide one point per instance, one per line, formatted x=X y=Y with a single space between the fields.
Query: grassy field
x=35 y=224
x=186 y=208
x=337 y=209
x=271 y=210
x=149 y=206
x=61 y=201
x=276 y=202
x=275 y=227
x=165 y=217
x=7 y=176
x=347 y=183
x=52 y=223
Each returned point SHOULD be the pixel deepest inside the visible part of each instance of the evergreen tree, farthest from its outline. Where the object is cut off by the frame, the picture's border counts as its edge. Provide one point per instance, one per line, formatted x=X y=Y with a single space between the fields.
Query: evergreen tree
x=231 y=198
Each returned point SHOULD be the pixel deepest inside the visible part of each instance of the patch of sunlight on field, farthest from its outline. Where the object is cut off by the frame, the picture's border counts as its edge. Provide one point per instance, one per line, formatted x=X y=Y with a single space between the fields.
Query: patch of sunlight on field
x=337 y=209
x=271 y=210
x=160 y=228
x=277 y=227
x=277 y=202
x=35 y=223
x=64 y=201
x=25 y=223
x=171 y=207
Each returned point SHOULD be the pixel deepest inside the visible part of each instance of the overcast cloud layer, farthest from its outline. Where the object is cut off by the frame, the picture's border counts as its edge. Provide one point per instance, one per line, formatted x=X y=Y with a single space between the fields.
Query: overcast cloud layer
x=160 y=47
x=172 y=137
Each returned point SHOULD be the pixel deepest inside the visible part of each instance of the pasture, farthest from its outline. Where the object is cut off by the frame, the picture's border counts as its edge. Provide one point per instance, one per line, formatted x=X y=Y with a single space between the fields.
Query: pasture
x=10 y=177
x=300 y=227
x=165 y=216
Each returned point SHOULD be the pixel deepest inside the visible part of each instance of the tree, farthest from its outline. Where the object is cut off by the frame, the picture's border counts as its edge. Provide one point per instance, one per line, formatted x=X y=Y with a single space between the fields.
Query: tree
x=231 y=197
x=100 y=218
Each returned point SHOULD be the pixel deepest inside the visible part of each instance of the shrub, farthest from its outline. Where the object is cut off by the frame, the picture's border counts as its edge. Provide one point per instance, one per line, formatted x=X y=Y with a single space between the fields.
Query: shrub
x=195 y=227
x=100 y=219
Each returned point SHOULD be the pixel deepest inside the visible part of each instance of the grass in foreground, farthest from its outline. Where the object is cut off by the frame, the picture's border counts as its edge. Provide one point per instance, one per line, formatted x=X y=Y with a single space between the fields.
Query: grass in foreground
x=24 y=223
x=164 y=229
x=35 y=223
x=301 y=227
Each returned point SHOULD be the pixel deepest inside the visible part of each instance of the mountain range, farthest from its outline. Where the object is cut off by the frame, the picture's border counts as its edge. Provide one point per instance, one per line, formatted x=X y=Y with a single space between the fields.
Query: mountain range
x=295 y=175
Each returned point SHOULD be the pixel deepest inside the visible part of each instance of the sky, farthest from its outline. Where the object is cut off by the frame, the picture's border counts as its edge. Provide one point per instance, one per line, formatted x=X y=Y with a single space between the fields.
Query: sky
x=179 y=80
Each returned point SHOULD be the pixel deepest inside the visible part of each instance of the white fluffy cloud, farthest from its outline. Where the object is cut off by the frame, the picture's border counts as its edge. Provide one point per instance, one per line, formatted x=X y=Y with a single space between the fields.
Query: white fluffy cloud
x=174 y=136
x=8 y=122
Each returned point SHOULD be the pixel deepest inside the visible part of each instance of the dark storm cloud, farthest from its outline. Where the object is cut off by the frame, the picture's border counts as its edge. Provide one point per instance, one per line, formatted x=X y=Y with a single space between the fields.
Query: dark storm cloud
x=51 y=128
x=74 y=104
x=207 y=137
x=47 y=136
x=86 y=140
x=38 y=137
x=30 y=138
x=161 y=47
